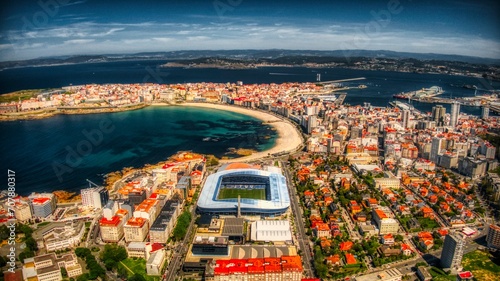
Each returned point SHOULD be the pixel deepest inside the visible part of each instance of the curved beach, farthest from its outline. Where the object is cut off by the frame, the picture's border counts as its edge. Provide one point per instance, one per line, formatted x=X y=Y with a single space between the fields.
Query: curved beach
x=289 y=138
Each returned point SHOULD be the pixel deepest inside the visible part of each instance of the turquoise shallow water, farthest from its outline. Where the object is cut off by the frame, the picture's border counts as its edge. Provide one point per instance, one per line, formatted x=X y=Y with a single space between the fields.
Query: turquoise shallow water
x=62 y=151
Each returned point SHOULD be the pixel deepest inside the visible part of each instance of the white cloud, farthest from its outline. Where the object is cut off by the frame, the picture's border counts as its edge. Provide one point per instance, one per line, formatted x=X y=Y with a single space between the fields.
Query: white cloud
x=79 y=41
x=138 y=37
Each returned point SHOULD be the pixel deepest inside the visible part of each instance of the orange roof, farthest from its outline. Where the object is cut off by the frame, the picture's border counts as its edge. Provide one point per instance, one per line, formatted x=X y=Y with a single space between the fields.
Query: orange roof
x=380 y=214
x=121 y=212
x=426 y=210
x=114 y=221
x=350 y=259
x=146 y=205
x=346 y=246
x=322 y=227
x=425 y=234
x=40 y=200
x=333 y=259
x=291 y=263
x=136 y=222
x=405 y=247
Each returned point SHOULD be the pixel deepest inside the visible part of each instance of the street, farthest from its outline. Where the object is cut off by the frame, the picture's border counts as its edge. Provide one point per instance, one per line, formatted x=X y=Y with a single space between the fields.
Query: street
x=302 y=238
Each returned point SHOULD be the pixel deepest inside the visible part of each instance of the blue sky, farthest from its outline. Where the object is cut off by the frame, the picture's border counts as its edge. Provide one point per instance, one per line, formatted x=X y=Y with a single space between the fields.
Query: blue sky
x=32 y=29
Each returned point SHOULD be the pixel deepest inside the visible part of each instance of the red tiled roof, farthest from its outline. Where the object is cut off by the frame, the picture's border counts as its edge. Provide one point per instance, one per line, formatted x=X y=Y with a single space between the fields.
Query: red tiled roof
x=114 y=221
x=350 y=259
x=346 y=246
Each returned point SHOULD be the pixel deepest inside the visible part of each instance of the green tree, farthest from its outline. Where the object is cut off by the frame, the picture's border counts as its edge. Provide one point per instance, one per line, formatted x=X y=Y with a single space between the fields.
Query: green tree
x=3 y=261
x=113 y=252
x=83 y=277
x=82 y=252
x=398 y=238
x=31 y=244
x=64 y=273
x=182 y=225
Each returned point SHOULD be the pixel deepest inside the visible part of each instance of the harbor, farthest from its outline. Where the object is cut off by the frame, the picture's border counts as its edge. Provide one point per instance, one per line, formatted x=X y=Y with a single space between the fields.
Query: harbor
x=430 y=95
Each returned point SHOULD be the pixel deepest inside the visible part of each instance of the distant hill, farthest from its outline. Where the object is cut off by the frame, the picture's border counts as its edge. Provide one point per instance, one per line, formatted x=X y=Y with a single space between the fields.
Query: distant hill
x=273 y=54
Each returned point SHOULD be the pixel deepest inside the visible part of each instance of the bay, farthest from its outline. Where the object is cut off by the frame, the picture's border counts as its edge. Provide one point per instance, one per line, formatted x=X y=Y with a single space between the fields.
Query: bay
x=63 y=151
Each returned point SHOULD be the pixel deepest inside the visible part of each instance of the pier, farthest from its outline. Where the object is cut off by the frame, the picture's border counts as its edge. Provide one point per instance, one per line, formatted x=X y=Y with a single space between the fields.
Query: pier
x=342 y=80
x=340 y=99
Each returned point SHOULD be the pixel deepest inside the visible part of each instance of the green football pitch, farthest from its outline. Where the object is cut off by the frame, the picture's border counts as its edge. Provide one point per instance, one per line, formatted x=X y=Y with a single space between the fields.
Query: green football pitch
x=229 y=193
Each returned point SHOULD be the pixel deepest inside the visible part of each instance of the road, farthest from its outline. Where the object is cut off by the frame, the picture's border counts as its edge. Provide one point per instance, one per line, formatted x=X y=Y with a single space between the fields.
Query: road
x=302 y=238
x=180 y=250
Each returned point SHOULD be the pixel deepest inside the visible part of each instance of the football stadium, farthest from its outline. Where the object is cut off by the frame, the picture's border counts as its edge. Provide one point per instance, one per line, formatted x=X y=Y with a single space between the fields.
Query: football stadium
x=261 y=191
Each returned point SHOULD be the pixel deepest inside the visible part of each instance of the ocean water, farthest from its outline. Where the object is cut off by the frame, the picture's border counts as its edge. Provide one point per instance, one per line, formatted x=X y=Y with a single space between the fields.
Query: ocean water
x=381 y=84
x=62 y=151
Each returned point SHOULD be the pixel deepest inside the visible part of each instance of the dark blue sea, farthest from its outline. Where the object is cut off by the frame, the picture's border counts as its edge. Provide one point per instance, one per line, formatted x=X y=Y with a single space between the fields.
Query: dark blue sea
x=52 y=154
x=63 y=151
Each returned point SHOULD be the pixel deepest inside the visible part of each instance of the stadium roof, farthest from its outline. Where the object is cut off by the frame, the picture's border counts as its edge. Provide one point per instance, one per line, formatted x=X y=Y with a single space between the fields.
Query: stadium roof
x=278 y=203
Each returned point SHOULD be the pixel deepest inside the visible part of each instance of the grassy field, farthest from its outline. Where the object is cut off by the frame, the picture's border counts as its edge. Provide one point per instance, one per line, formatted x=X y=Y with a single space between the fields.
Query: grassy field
x=228 y=193
x=439 y=275
x=22 y=95
x=481 y=265
x=137 y=266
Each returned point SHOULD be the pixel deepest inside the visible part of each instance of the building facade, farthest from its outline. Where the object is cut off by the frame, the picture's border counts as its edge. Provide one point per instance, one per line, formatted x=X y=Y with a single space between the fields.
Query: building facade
x=95 y=197
x=43 y=204
x=493 y=236
x=453 y=251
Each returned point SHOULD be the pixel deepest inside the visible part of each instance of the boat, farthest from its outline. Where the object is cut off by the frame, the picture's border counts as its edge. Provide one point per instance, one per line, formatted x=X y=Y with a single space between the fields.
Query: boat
x=470 y=87
x=206 y=139
x=400 y=96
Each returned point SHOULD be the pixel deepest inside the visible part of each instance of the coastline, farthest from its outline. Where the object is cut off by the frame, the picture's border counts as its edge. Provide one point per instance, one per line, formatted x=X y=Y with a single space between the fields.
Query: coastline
x=47 y=113
x=289 y=138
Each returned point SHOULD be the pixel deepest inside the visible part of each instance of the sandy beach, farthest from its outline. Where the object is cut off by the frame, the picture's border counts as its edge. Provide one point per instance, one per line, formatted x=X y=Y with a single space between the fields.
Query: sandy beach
x=289 y=138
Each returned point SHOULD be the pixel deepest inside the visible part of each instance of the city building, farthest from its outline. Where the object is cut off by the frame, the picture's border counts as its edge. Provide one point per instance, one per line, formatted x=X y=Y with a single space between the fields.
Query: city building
x=453 y=250
x=59 y=235
x=148 y=209
x=43 y=204
x=155 y=263
x=136 y=196
x=22 y=211
x=493 y=236
x=142 y=250
x=164 y=224
x=135 y=229
x=385 y=224
x=210 y=246
x=48 y=267
x=455 y=113
x=472 y=167
x=436 y=146
x=388 y=181
x=112 y=222
x=438 y=113
x=268 y=184
x=94 y=197
x=485 y=112
x=406 y=119
x=423 y=273
x=286 y=268
x=270 y=231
